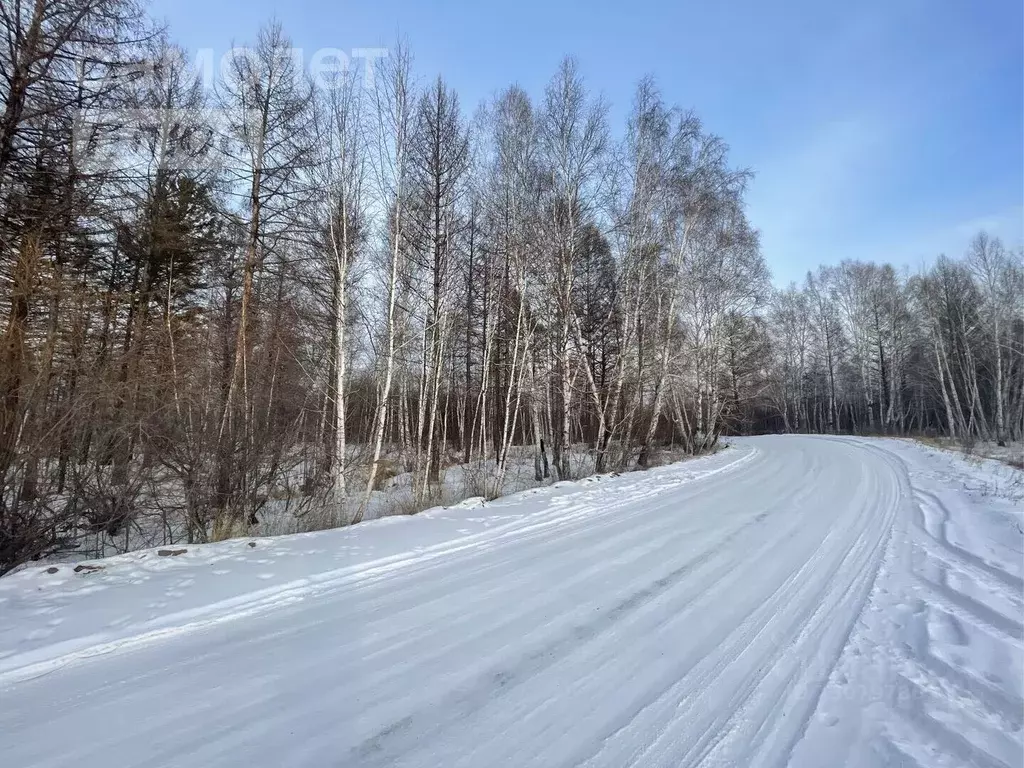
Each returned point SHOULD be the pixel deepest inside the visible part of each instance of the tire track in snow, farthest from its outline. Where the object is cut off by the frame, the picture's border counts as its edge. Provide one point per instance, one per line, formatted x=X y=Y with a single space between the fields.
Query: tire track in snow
x=761 y=722
x=500 y=678
x=930 y=636
x=928 y=502
x=409 y=594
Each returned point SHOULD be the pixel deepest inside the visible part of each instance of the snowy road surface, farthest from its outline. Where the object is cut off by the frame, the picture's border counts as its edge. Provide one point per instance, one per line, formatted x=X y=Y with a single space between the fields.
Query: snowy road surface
x=790 y=601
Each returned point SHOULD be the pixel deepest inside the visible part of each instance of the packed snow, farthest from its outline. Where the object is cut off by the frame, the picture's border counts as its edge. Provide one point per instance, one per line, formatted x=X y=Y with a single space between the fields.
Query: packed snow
x=792 y=600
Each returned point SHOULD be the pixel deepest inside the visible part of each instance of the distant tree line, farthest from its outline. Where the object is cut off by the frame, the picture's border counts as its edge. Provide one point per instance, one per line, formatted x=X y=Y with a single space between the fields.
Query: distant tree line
x=860 y=347
x=271 y=290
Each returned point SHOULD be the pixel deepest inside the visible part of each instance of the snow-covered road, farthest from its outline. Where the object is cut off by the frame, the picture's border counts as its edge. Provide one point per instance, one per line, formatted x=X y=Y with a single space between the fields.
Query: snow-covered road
x=793 y=600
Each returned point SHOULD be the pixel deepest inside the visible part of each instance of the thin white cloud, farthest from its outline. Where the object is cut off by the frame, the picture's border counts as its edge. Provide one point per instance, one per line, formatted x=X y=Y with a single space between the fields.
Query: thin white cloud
x=807 y=194
x=921 y=248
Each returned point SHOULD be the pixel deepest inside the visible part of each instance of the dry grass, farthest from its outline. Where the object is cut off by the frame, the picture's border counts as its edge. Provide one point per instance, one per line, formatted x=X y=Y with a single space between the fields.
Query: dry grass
x=1012 y=455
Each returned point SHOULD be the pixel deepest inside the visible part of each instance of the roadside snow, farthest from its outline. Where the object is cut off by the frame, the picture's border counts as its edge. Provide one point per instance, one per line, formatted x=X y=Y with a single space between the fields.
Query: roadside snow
x=790 y=601
x=57 y=613
x=932 y=675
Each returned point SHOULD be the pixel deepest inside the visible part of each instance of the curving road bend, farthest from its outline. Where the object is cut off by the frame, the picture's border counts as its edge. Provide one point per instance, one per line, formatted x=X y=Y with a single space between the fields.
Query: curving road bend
x=643 y=620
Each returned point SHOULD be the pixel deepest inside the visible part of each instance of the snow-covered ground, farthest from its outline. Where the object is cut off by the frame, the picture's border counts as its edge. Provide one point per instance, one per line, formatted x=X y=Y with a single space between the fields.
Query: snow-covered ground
x=158 y=518
x=791 y=600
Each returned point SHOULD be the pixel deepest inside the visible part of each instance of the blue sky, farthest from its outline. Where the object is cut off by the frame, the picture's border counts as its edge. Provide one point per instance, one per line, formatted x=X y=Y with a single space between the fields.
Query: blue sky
x=888 y=131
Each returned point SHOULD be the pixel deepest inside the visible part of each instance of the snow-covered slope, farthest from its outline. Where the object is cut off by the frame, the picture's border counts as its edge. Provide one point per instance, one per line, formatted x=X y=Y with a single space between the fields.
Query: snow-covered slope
x=793 y=600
